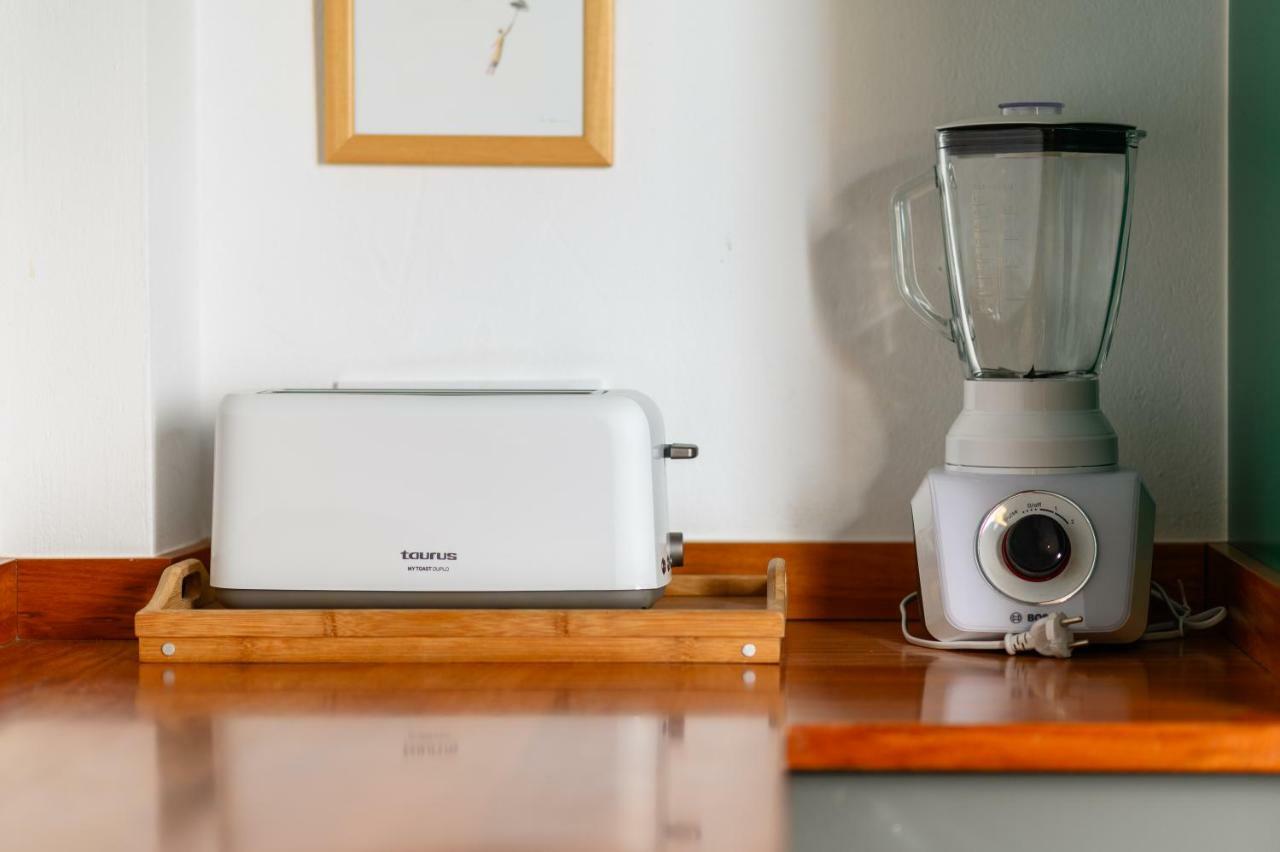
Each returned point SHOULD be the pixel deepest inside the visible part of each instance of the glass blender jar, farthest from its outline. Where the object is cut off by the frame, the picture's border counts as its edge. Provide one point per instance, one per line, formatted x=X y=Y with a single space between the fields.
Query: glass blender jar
x=1035 y=212
x=1036 y=216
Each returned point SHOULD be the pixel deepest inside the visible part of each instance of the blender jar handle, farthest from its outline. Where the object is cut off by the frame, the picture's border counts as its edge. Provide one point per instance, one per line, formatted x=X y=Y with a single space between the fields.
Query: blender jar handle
x=904 y=261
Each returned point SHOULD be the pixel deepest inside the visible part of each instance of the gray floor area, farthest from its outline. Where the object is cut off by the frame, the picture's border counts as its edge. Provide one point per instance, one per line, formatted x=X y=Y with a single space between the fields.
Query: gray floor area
x=1037 y=813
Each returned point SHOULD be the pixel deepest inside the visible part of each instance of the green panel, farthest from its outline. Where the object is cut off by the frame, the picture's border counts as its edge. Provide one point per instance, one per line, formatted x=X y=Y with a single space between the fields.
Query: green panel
x=1253 y=338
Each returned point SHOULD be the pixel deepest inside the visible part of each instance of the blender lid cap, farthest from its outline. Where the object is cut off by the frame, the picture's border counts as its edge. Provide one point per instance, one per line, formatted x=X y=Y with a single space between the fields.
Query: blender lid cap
x=1031 y=126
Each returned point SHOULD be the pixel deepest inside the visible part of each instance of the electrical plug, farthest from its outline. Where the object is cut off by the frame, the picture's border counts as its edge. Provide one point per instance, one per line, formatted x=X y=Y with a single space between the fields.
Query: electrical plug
x=1051 y=636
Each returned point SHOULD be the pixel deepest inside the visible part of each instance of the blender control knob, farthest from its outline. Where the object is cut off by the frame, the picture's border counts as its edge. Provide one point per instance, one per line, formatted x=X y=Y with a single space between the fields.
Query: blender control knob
x=1036 y=548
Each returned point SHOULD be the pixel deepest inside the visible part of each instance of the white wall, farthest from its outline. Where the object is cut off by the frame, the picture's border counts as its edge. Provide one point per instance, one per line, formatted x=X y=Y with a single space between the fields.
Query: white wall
x=73 y=322
x=733 y=263
x=92 y=156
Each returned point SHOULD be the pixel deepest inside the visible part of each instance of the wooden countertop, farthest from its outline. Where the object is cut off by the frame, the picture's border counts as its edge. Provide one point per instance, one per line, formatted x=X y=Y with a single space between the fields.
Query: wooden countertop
x=101 y=750
x=857 y=698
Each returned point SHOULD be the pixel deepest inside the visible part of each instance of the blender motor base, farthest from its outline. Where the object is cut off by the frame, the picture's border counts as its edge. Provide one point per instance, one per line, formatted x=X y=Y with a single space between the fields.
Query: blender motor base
x=969 y=589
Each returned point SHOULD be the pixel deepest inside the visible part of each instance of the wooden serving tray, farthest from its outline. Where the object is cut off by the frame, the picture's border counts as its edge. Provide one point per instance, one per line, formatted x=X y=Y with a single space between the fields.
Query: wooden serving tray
x=702 y=618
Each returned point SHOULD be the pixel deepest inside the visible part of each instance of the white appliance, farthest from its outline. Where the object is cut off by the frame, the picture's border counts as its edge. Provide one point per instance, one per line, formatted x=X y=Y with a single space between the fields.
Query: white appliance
x=1031 y=516
x=442 y=497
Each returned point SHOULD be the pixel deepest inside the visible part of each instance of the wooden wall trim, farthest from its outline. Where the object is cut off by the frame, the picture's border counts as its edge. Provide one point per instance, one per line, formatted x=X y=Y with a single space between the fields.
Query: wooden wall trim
x=1251 y=593
x=865 y=580
x=8 y=600
x=86 y=598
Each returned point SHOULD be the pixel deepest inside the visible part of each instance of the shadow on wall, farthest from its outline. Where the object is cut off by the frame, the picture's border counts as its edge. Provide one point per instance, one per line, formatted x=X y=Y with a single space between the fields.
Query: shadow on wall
x=908 y=373
x=883 y=101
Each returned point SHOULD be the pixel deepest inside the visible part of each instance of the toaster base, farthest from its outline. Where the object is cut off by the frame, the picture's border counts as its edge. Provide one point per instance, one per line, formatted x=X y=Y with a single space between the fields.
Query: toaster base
x=303 y=599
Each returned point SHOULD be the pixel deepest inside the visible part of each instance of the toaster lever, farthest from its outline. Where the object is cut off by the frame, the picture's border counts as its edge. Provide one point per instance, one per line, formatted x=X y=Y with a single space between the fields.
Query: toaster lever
x=680 y=451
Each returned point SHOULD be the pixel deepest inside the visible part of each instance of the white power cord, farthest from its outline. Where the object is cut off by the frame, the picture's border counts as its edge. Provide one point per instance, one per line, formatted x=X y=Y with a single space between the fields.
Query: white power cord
x=1183 y=618
x=1052 y=635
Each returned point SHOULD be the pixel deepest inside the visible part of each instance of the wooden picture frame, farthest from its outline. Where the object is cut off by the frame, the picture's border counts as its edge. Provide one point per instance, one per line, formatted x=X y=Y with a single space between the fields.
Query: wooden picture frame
x=342 y=144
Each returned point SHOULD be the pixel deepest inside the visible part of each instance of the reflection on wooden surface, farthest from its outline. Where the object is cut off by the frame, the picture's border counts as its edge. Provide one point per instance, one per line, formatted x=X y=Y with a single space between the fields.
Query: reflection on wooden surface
x=863 y=673
x=350 y=757
x=102 y=752
x=964 y=689
x=469 y=687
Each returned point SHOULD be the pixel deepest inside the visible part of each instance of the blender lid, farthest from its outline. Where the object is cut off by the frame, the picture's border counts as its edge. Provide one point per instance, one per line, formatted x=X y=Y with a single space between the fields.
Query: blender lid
x=1036 y=126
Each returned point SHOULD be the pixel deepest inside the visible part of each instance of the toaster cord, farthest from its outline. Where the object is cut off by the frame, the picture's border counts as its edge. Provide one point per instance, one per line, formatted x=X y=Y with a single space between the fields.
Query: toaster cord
x=1052 y=635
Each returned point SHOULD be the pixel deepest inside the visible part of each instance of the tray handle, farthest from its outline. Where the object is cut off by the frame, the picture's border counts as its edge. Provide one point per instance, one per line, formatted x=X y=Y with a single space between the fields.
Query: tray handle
x=776 y=588
x=183 y=585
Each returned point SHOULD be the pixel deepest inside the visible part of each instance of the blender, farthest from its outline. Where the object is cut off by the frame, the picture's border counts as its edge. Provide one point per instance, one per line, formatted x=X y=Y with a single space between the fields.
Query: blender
x=1031 y=516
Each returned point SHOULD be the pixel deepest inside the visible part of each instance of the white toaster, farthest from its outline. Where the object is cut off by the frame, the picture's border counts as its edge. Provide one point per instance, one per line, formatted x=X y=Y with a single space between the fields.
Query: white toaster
x=442 y=498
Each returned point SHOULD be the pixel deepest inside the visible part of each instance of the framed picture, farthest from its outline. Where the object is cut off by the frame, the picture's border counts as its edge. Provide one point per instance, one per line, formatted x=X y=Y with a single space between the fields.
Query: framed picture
x=479 y=82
